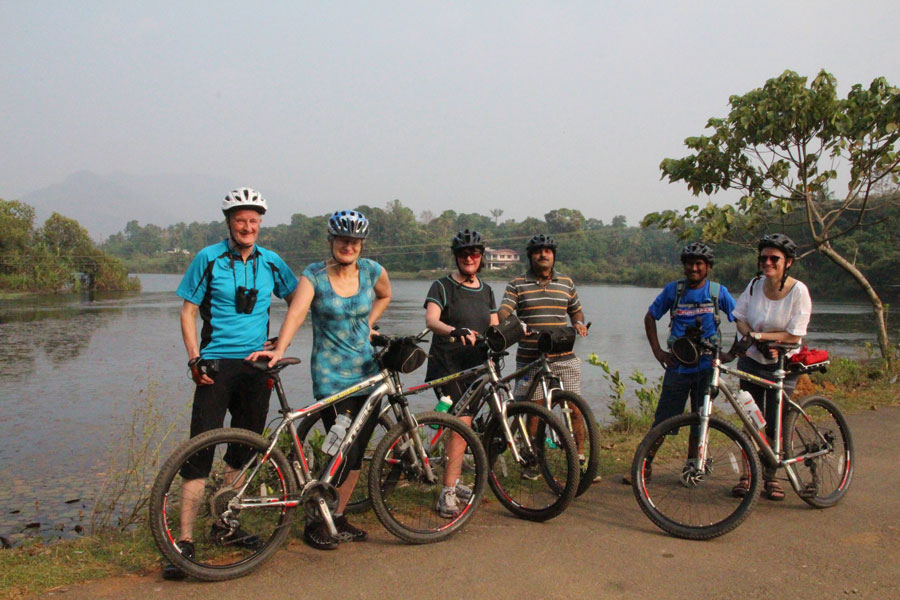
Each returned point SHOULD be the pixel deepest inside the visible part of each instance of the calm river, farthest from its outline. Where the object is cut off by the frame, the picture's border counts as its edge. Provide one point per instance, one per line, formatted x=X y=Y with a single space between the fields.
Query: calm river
x=74 y=371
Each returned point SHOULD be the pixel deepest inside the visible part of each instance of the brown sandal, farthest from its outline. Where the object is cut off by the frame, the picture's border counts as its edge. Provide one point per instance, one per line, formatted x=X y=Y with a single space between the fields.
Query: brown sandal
x=741 y=488
x=773 y=490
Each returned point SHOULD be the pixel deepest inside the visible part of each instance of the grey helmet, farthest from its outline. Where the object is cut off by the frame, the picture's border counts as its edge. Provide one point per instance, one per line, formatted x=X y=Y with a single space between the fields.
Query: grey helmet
x=244 y=198
x=698 y=250
x=779 y=241
x=348 y=223
x=540 y=241
x=467 y=239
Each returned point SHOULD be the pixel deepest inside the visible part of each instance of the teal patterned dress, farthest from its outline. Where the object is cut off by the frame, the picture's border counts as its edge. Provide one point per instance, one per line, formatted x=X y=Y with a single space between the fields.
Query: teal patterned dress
x=341 y=354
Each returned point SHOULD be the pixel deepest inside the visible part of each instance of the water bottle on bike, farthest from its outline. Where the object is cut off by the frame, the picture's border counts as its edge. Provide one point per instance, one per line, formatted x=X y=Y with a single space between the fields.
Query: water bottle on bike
x=336 y=434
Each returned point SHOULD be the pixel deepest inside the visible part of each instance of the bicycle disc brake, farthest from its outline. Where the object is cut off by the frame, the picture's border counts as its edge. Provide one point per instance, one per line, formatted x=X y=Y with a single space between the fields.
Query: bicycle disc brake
x=692 y=476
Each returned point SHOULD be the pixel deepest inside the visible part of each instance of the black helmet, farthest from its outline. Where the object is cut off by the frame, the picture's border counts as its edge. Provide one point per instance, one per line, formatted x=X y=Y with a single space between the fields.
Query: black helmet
x=698 y=250
x=779 y=241
x=467 y=239
x=540 y=241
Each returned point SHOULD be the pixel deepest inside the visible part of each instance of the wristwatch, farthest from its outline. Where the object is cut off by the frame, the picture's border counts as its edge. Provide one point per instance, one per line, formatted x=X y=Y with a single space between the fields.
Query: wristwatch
x=756 y=335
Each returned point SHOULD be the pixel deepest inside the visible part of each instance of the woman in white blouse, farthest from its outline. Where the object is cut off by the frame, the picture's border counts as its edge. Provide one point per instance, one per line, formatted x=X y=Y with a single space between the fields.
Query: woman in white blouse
x=774 y=307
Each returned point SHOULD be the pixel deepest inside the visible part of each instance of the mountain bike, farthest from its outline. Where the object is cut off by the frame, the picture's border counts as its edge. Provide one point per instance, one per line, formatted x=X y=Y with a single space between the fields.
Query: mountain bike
x=249 y=496
x=538 y=438
x=685 y=468
x=573 y=412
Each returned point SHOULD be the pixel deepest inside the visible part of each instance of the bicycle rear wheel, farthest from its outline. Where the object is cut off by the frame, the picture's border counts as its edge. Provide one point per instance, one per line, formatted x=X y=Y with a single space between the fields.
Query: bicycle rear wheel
x=823 y=433
x=405 y=496
x=574 y=413
x=683 y=500
x=312 y=432
x=229 y=541
x=544 y=481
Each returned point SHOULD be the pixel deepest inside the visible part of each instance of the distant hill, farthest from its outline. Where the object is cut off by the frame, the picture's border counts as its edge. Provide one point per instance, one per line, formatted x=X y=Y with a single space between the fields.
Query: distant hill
x=103 y=204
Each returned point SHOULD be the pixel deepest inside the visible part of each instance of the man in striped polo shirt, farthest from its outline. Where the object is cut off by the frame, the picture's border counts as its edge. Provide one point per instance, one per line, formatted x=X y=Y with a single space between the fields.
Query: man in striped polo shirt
x=544 y=299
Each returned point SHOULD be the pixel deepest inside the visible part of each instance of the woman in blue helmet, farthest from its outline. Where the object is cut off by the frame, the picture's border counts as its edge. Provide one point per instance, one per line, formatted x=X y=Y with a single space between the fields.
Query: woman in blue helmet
x=346 y=295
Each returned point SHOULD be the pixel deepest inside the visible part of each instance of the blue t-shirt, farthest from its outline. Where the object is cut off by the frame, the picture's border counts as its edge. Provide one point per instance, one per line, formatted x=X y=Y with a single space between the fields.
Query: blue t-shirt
x=211 y=283
x=693 y=303
x=341 y=355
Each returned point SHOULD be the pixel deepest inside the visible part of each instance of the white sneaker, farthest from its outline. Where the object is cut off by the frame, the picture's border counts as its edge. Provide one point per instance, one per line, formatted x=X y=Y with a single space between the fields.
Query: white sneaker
x=447 y=505
x=463 y=492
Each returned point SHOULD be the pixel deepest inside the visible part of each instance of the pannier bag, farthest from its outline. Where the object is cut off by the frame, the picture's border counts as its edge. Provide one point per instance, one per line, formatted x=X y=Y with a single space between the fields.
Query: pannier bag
x=558 y=340
x=404 y=356
x=503 y=335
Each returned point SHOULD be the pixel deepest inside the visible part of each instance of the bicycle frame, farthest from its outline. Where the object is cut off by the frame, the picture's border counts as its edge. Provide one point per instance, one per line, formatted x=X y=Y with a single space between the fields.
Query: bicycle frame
x=386 y=384
x=772 y=453
x=485 y=388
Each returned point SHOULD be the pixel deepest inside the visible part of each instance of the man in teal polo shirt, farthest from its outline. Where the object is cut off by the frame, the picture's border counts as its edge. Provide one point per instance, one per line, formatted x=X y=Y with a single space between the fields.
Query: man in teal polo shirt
x=230 y=286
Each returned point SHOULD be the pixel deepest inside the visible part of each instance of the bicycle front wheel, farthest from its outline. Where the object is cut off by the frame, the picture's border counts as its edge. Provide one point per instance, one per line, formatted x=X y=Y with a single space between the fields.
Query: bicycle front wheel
x=311 y=432
x=406 y=489
x=677 y=495
x=228 y=514
x=823 y=437
x=577 y=417
x=541 y=483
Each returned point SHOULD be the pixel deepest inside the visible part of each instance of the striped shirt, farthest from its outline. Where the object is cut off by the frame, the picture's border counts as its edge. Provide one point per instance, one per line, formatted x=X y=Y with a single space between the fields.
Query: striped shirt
x=541 y=307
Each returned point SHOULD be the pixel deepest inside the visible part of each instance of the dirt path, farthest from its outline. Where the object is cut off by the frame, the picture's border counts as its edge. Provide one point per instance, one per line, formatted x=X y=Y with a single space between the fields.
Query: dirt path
x=604 y=547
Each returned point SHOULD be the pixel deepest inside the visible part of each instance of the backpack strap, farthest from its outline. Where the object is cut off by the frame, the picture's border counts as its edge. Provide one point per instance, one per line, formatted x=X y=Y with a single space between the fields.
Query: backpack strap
x=714 y=290
x=679 y=292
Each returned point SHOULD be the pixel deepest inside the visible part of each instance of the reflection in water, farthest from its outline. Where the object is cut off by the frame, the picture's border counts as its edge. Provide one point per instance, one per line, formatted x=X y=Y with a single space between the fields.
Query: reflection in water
x=72 y=372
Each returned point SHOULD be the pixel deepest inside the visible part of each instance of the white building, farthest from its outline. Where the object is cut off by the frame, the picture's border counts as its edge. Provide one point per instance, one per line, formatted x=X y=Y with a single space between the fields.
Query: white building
x=500 y=258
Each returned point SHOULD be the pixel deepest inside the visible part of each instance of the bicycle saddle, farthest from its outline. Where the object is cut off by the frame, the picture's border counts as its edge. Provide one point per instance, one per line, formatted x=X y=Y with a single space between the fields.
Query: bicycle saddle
x=263 y=365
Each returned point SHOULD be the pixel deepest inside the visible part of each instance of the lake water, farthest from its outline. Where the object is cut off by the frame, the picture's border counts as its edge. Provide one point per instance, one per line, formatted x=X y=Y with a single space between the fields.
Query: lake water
x=74 y=371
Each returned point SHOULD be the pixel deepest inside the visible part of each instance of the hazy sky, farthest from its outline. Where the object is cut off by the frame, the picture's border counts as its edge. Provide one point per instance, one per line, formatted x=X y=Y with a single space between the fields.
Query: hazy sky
x=524 y=106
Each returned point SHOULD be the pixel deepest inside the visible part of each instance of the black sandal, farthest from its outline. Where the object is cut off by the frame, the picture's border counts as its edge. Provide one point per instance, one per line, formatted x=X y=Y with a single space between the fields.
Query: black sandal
x=773 y=490
x=741 y=488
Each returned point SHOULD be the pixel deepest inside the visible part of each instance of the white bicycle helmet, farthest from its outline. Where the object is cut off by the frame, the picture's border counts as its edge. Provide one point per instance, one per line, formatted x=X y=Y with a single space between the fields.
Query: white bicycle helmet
x=244 y=198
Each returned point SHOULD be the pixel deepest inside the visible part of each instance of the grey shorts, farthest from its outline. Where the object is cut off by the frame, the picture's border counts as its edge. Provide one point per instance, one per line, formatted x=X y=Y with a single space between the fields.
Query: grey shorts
x=568 y=371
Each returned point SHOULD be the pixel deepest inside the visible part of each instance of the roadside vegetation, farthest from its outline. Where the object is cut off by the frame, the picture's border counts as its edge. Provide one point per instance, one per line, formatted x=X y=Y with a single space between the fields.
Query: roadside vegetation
x=121 y=544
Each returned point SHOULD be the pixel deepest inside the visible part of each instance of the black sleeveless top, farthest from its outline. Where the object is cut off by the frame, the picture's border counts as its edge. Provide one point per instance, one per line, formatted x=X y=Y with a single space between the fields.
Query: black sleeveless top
x=460 y=307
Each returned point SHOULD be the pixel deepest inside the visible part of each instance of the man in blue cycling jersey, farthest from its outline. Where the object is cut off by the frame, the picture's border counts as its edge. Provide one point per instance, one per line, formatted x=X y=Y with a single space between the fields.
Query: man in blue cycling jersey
x=230 y=285
x=686 y=301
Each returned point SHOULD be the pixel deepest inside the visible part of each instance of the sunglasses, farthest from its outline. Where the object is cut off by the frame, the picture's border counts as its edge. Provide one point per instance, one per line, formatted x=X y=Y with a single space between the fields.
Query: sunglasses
x=469 y=254
x=766 y=258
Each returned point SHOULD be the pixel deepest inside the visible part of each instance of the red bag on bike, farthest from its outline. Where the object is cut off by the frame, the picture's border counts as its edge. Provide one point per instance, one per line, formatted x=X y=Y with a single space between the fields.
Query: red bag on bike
x=809 y=356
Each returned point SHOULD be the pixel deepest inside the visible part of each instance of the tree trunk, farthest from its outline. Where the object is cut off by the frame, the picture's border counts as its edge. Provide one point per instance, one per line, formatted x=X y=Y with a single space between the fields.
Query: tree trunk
x=877 y=305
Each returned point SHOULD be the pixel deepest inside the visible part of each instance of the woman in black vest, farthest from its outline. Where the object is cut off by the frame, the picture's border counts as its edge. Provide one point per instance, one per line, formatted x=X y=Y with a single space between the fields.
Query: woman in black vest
x=456 y=308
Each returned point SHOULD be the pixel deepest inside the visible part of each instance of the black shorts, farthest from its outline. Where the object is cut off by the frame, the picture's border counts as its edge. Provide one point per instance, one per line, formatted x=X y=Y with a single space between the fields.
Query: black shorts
x=357 y=450
x=237 y=388
x=766 y=399
x=441 y=365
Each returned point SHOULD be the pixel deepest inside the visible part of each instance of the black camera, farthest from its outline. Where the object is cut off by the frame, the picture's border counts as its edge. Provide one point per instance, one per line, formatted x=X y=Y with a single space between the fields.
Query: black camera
x=245 y=299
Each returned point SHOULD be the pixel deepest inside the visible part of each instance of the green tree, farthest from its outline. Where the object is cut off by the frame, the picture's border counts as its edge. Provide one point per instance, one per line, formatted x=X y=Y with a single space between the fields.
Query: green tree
x=564 y=220
x=780 y=147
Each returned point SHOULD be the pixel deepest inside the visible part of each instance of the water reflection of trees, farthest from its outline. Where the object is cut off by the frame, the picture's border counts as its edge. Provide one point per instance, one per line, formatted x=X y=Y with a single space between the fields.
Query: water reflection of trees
x=62 y=332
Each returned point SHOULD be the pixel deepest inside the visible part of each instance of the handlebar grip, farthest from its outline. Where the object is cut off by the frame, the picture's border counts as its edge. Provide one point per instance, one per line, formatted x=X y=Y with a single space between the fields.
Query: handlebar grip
x=380 y=340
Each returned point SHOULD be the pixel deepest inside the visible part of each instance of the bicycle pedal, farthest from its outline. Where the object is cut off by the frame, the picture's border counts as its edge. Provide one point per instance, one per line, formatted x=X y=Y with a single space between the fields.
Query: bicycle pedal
x=808 y=491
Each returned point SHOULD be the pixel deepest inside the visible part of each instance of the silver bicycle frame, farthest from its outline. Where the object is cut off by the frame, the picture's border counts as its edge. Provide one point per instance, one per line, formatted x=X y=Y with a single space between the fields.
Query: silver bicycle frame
x=774 y=455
